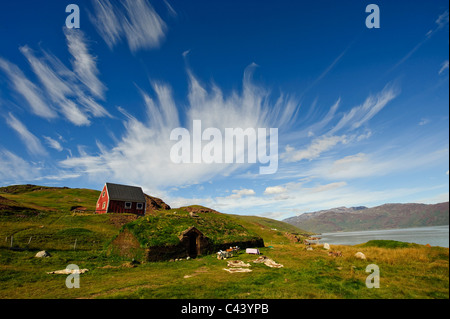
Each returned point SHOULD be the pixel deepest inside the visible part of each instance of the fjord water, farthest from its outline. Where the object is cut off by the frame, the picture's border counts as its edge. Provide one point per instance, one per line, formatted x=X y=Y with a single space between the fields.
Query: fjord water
x=433 y=235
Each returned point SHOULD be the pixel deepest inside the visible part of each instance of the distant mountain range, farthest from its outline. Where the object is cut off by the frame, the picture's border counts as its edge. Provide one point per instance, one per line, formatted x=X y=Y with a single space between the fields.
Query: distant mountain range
x=386 y=216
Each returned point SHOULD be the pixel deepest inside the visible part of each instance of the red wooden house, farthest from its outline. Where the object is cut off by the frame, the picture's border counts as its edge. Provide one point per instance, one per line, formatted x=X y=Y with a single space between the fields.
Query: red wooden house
x=116 y=198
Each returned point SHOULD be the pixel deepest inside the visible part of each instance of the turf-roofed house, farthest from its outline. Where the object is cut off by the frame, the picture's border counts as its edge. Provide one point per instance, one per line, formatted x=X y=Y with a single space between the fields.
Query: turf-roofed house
x=116 y=198
x=158 y=232
x=180 y=233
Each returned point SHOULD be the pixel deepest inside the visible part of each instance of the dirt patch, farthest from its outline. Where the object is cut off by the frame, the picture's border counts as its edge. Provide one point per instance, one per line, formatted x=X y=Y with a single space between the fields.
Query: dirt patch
x=126 y=245
x=201 y=270
x=118 y=220
x=199 y=209
x=124 y=265
x=293 y=238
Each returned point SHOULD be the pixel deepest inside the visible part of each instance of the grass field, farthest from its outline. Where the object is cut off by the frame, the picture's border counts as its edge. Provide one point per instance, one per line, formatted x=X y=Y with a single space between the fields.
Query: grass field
x=406 y=271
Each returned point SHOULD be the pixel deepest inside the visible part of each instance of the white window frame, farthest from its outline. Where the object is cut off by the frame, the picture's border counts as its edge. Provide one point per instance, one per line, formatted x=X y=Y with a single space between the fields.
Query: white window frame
x=140 y=206
x=128 y=206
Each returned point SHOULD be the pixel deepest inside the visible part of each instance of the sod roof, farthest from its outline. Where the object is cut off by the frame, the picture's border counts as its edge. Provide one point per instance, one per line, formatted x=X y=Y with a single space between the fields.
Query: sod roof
x=164 y=228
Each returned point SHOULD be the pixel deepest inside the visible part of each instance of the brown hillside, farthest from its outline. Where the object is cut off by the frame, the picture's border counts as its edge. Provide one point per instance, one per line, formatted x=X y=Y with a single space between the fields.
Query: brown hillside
x=154 y=204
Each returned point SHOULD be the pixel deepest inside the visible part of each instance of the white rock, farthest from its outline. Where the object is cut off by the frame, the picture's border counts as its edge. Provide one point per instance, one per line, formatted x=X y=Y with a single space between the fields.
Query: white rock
x=360 y=255
x=326 y=246
x=42 y=254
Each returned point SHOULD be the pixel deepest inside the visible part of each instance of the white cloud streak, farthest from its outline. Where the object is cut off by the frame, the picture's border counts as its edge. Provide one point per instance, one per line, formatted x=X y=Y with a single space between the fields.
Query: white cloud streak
x=56 y=88
x=15 y=169
x=32 y=143
x=364 y=165
x=63 y=91
x=53 y=143
x=441 y=22
x=350 y=121
x=83 y=63
x=361 y=114
x=145 y=146
x=444 y=67
x=27 y=90
x=313 y=151
x=135 y=21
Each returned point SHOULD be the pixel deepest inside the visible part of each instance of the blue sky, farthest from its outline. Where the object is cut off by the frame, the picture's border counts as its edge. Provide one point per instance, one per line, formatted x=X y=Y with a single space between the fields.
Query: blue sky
x=362 y=114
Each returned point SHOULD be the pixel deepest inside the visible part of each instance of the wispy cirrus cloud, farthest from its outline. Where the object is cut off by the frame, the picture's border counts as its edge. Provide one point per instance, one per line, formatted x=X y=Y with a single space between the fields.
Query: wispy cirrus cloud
x=361 y=114
x=83 y=63
x=53 y=143
x=136 y=21
x=350 y=121
x=395 y=161
x=27 y=89
x=440 y=23
x=442 y=20
x=444 y=67
x=58 y=90
x=146 y=144
x=15 y=169
x=170 y=9
x=63 y=91
x=31 y=142
x=313 y=151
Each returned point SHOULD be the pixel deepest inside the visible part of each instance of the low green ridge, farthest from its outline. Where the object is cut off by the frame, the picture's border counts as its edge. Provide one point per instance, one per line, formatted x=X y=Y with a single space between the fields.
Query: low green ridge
x=164 y=228
x=45 y=198
x=388 y=244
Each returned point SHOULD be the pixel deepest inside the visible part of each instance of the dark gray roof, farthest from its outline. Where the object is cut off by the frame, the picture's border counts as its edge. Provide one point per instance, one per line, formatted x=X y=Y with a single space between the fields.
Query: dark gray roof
x=125 y=192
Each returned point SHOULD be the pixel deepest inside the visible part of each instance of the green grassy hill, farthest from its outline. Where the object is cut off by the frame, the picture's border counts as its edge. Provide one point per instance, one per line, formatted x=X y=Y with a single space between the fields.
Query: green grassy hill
x=45 y=198
x=165 y=227
x=40 y=218
x=45 y=215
